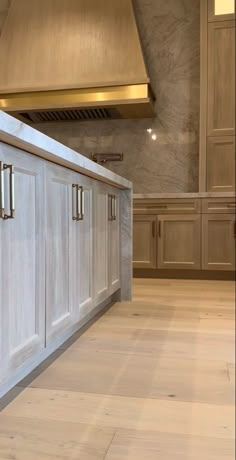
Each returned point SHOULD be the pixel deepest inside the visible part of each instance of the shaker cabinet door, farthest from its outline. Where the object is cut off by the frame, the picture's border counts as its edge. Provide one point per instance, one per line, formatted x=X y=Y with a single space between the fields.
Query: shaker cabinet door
x=84 y=289
x=101 y=243
x=144 y=241
x=179 y=241
x=218 y=242
x=22 y=259
x=114 y=239
x=61 y=251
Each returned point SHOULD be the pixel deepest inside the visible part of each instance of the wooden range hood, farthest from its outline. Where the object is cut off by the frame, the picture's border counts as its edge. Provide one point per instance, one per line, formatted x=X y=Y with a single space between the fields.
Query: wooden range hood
x=73 y=60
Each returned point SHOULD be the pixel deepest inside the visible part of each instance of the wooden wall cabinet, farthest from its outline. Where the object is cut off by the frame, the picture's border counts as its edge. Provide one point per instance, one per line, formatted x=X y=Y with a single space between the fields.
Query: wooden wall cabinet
x=220 y=164
x=217 y=96
x=221 y=78
x=179 y=242
x=218 y=242
x=144 y=241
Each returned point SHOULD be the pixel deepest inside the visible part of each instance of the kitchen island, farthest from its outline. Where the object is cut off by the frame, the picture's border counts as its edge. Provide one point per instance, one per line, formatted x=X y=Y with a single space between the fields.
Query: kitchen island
x=65 y=245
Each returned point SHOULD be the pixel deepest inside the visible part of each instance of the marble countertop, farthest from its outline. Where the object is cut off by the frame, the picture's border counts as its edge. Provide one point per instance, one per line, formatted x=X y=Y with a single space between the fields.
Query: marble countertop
x=184 y=195
x=18 y=134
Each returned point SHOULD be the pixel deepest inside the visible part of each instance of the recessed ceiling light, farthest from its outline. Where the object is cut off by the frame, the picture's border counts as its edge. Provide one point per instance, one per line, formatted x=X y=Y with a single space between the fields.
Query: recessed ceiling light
x=149 y=130
x=154 y=136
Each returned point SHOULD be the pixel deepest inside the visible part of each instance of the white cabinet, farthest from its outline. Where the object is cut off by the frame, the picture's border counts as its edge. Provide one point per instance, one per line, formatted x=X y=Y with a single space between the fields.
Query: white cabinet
x=114 y=240
x=22 y=260
x=84 y=290
x=101 y=232
x=106 y=241
x=61 y=251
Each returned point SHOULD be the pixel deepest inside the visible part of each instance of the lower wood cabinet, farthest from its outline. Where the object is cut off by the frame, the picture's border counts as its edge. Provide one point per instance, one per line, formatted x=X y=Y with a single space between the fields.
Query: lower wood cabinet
x=22 y=261
x=144 y=241
x=218 y=242
x=179 y=241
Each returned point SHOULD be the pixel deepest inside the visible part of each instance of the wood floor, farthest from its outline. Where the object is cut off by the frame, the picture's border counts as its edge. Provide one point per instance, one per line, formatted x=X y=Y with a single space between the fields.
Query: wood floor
x=150 y=380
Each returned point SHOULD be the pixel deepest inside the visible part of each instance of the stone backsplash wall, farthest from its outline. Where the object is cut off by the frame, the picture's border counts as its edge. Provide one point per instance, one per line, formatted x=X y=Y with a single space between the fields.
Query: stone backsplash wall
x=165 y=160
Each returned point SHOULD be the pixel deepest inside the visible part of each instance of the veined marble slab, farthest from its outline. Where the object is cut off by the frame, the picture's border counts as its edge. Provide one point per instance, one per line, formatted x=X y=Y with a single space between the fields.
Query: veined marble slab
x=171 y=196
x=18 y=134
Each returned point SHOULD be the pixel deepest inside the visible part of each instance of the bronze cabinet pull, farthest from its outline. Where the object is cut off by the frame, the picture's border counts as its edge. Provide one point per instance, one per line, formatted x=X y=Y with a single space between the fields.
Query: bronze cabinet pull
x=74 y=202
x=159 y=228
x=110 y=208
x=11 y=215
x=80 y=198
x=2 y=201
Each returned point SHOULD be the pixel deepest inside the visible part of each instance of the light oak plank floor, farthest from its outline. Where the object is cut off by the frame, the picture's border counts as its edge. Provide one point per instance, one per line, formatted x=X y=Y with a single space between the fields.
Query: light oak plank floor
x=150 y=380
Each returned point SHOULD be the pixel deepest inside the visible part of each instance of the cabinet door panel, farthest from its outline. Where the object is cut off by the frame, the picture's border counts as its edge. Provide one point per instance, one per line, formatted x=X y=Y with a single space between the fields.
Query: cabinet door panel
x=60 y=244
x=179 y=242
x=221 y=164
x=221 y=78
x=144 y=242
x=114 y=245
x=101 y=240
x=218 y=242
x=84 y=237
x=23 y=259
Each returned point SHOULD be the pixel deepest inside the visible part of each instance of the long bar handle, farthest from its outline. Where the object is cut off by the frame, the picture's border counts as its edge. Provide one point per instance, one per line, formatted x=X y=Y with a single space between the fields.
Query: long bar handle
x=2 y=201
x=114 y=208
x=159 y=229
x=12 y=191
x=80 y=202
x=110 y=207
x=235 y=229
x=74 y=202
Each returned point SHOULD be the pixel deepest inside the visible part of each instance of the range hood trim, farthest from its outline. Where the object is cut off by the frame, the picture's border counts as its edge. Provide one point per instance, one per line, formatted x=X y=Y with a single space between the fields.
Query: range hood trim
x=77 y=98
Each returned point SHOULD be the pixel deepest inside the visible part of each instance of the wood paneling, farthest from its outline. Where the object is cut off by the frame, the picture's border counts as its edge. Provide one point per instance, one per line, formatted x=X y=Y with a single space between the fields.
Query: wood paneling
x=179 y=242
x=145 y=242
x=226 y=6
x=60 y=35
x=221 y=78
x=220 y=165
x=218 y=242
x=114 y=245
x=101 y=242
x=203 y=94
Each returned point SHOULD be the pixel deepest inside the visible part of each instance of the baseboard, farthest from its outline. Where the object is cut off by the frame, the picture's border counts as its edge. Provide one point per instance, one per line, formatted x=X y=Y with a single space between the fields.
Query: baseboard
x=8 y=389
x=185 y=274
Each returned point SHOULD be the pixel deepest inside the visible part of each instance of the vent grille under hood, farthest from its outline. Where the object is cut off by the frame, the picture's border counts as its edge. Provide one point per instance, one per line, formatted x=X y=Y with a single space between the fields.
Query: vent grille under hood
x=69 y=115
x=73 y=60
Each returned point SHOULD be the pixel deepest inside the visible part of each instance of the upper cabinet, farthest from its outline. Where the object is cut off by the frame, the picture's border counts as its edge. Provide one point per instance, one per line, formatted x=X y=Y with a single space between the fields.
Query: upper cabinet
x=219 y=10
x=217 y=101
x=221 y=78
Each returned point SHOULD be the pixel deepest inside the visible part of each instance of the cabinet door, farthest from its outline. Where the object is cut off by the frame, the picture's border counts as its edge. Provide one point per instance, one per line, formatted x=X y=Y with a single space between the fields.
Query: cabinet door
x=22 y=268
x=221 y=164
x=101 y=242
x=144 y=242
x=221 y=78
x=61 y=252
x=179 y=242
x=218 y=242
x=84 y=240
x=114 y=240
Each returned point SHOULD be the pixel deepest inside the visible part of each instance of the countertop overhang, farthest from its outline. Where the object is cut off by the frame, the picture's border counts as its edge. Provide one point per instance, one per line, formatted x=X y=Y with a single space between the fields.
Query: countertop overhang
x=22 y=136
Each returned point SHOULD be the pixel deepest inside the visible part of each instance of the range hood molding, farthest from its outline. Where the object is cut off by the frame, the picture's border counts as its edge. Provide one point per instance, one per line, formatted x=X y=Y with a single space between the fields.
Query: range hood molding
x=97 y=62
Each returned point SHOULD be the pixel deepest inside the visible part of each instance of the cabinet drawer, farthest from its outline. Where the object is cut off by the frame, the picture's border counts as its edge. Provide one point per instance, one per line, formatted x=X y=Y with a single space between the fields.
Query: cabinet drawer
x=218 y=205
x=167 y=206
